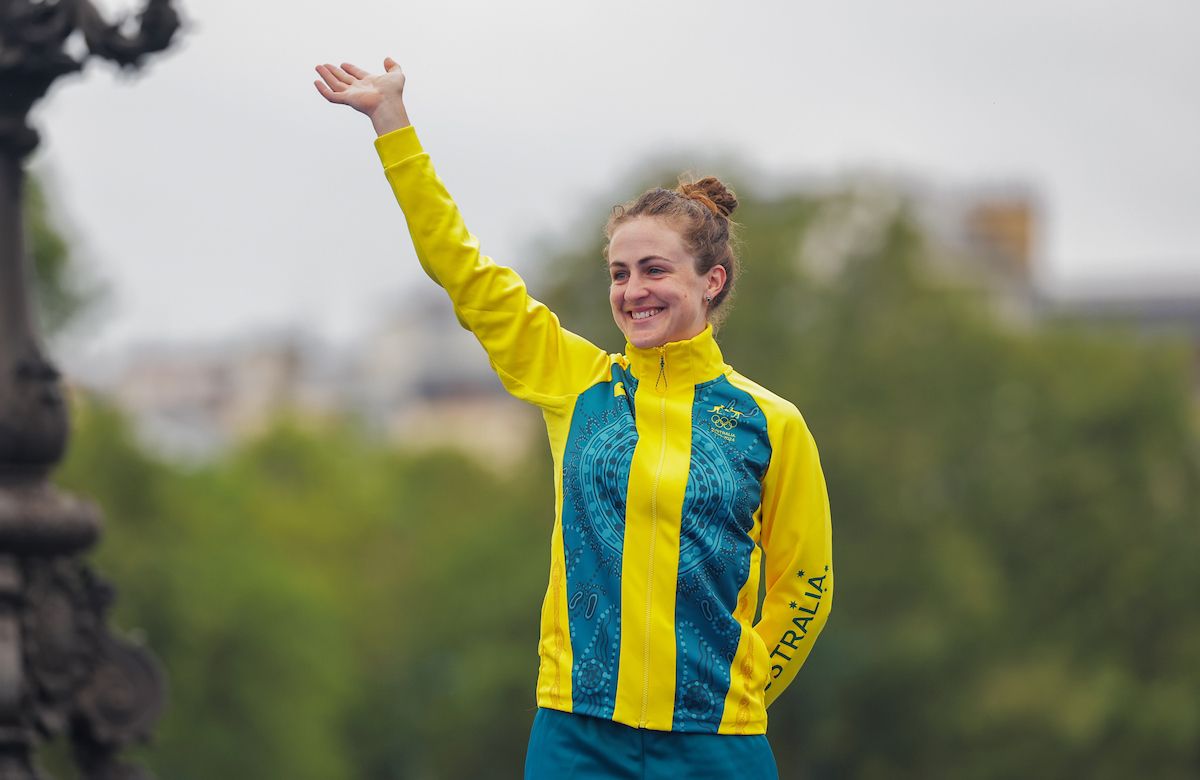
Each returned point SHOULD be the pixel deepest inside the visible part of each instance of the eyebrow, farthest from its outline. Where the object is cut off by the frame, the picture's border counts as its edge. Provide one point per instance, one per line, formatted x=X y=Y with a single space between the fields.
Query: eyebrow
x=643 y=261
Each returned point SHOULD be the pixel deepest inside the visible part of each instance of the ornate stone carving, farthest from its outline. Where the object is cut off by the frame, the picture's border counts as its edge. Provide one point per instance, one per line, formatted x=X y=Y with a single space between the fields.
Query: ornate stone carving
x=61 y=670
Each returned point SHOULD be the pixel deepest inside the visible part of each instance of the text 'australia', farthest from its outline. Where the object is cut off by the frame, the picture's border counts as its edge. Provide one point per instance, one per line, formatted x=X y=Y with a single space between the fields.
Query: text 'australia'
x=792 y=637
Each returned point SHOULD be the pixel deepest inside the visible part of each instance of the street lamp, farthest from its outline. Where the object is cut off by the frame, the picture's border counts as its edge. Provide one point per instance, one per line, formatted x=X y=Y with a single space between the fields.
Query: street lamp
x=61 y=670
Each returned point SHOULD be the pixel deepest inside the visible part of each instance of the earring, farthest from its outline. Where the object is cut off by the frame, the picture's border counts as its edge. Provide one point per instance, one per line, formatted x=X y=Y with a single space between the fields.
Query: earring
x=708 y=299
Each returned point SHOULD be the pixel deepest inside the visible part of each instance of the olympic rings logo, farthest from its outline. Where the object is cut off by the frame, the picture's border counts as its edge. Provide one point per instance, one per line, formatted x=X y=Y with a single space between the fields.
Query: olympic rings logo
x=724 y=423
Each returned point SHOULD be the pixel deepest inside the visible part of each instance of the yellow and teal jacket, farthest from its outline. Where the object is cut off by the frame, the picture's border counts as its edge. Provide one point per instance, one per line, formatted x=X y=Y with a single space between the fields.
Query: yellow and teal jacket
x=674 y=475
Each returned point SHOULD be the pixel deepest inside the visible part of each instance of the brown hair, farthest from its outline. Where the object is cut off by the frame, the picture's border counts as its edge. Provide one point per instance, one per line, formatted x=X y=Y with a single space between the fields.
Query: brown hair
x=700 y=211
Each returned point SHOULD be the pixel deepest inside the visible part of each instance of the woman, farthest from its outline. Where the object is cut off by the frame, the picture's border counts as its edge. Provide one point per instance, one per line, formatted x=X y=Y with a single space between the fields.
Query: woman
x=673 y=475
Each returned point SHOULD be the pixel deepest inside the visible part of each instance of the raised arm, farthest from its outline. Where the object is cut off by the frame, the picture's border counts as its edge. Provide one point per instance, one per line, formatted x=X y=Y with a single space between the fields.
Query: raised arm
x=536 y=358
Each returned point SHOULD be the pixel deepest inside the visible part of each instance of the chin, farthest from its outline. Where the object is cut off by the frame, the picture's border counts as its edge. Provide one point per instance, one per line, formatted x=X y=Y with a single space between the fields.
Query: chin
x=639 y=339
x=650 y=340
x=645 y=342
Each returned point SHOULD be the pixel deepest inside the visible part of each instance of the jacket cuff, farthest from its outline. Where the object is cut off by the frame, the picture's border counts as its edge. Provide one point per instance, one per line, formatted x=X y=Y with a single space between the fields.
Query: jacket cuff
x=397 y=146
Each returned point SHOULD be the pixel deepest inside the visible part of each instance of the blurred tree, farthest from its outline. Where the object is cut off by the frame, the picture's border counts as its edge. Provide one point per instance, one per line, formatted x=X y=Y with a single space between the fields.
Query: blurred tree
x=1015 y=509
x=457 y=676
x=325 y=606
x=1015 y=513
x=62 y=293
x=254 y=646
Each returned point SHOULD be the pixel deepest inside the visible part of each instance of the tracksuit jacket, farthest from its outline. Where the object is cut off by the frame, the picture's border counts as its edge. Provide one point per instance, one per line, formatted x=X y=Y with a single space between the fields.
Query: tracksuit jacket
x=674 y=476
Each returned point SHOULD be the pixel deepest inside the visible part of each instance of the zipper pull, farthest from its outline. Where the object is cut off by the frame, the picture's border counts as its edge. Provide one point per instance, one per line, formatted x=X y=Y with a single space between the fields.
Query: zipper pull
x=662 y=368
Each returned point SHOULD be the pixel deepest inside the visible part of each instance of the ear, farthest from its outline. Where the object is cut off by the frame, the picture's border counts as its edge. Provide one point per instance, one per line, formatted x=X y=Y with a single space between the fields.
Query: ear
x=716 y=278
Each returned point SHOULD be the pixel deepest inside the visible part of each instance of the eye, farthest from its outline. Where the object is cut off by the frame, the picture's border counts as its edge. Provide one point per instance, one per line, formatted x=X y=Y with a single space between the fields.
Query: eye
x=619 y=275
x=654 y=270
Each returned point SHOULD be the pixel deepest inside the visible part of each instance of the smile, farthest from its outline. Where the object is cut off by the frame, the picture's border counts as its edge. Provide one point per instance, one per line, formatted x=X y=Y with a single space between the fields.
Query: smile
x=644 y=315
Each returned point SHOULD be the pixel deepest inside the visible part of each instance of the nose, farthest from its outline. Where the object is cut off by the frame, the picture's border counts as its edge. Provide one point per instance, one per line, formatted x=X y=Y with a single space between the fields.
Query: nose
x=635 y=288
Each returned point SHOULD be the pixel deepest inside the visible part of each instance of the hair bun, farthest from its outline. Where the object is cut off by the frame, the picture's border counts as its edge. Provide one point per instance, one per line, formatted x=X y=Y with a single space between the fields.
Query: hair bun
x=712 y=193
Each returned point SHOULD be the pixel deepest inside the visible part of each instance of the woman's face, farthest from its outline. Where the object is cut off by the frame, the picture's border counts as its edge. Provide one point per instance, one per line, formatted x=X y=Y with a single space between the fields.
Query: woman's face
x=655 y=292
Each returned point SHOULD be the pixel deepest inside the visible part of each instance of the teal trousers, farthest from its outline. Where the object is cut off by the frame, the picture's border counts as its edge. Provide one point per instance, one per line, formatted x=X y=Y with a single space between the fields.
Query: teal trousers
x=563 y=746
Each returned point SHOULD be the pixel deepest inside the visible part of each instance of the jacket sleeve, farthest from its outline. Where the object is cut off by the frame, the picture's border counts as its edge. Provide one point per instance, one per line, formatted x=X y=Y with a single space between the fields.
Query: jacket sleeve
x=535 y=357
x=796 y=539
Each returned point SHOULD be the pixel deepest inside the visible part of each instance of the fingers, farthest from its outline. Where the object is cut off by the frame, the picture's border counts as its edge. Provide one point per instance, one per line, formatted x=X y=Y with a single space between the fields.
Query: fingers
x=341 y=75
x=328 y=93
x=347 y=83
x=331 y=80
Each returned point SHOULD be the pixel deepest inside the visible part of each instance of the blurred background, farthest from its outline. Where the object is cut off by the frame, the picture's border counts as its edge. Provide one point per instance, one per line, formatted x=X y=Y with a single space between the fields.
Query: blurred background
x=971 y=235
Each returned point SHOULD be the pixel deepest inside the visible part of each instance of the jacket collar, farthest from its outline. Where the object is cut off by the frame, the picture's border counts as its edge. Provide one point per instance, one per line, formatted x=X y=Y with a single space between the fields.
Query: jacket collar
x=677 y=364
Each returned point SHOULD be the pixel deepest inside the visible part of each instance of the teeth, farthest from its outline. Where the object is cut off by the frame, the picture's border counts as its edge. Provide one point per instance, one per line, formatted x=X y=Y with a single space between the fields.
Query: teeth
x=641 y=315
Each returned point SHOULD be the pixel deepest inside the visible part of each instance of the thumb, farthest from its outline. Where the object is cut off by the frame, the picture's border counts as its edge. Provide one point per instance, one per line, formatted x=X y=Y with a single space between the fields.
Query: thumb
x=390 y=64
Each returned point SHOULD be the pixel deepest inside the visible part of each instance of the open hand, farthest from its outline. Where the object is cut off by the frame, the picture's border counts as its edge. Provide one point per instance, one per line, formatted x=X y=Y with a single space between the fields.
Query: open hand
x=379 y=96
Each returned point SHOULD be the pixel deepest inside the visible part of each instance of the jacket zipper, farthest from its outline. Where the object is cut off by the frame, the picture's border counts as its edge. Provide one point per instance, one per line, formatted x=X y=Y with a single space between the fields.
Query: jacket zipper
x=662 y=457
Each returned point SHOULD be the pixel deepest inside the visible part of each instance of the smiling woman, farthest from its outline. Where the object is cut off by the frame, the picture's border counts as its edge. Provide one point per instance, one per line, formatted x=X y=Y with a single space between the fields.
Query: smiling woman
x=674 y=477
x=671 y=262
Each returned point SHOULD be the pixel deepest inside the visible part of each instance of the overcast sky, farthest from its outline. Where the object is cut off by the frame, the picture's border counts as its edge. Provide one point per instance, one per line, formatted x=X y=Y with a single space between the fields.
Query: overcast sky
x=217 y=194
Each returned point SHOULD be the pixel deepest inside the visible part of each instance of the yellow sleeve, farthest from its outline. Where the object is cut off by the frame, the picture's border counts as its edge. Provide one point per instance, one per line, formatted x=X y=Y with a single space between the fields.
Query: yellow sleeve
x=796 y=539
x=535 y=357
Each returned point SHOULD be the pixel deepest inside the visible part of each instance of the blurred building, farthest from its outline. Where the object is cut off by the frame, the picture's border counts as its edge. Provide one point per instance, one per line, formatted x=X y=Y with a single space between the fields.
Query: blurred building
x=419 y=381
x=194 y=401
x=980 y=241
x=984 y=242
x=1157 y=310
x=990 y=238
x=423 y=381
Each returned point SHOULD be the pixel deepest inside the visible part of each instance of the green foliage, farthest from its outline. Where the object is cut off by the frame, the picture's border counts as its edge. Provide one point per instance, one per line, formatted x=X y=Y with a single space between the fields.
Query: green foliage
x=60 y=293
x=252 y=643
x=1015 y=512
x=325 y=607
x=1015 y=515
